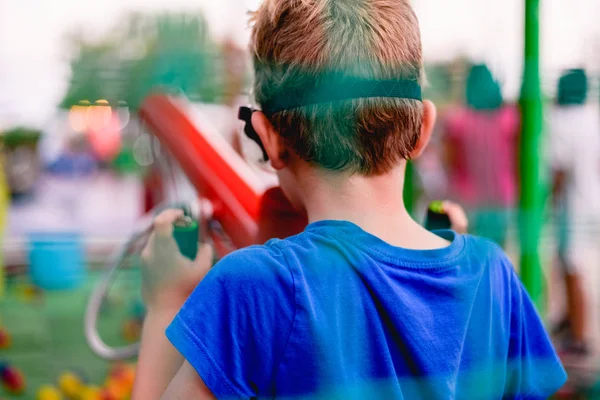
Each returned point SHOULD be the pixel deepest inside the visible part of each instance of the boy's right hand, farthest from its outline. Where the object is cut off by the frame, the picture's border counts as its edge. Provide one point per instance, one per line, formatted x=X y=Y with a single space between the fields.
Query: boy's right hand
x=168 y=278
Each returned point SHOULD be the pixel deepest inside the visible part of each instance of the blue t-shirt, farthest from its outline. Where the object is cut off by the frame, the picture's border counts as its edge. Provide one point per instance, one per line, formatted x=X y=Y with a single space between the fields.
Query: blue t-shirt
x=336 y=313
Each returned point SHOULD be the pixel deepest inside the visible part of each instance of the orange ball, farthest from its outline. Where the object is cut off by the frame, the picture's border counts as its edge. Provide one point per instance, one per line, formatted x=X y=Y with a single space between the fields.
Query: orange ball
x=105 y=395
x=116 y=390
x=5 y=339
x=124 y=373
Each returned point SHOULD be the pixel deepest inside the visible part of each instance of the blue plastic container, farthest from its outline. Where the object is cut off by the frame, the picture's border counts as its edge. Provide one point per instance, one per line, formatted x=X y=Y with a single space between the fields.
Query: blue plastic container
x=56 y=260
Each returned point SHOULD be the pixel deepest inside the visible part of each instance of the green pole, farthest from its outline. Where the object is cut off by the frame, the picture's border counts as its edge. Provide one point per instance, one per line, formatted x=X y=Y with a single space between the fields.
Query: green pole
x=531 y=197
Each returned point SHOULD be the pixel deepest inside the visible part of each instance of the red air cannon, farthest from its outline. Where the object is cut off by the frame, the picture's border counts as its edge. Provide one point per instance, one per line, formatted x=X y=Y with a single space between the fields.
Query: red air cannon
x=246 y=204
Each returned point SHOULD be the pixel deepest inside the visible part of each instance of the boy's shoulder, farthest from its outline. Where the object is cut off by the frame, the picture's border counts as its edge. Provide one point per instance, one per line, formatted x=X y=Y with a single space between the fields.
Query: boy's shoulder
x=275 y=255
x=253 y=260
x=269 y=258
x=484 y=246
x=485 y=250
x=492 y=261
x=252 y=273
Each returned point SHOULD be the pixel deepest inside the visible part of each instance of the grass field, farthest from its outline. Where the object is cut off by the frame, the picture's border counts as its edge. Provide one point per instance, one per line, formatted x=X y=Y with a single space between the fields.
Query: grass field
x=48 y=334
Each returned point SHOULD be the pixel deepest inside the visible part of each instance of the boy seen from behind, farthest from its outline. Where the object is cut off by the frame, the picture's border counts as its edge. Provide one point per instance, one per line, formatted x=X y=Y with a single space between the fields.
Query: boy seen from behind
x=365 y=303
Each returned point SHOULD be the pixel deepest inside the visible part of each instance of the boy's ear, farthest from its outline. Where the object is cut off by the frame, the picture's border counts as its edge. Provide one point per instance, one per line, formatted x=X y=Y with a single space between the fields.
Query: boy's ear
x=271 y=140
x=429 y=117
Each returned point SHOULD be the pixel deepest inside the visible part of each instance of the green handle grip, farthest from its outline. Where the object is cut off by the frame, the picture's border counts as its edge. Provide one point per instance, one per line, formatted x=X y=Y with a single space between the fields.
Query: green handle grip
x=187 y=237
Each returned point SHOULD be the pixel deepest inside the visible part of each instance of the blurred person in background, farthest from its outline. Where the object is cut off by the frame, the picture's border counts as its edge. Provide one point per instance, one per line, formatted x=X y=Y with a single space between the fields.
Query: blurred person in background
x=480 y=140
x=77 y=159
x=574 y=145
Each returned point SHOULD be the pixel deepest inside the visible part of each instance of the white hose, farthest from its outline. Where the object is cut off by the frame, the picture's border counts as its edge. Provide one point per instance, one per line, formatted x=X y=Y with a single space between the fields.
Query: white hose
x=97 y=297
x=98 y=346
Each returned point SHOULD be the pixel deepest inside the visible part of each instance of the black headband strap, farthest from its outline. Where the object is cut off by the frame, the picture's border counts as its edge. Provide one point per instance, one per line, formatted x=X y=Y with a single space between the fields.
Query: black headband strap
x=344 y=90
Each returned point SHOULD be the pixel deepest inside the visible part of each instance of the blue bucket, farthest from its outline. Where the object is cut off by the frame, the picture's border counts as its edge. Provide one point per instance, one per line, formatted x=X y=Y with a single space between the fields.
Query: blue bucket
x=56 y=260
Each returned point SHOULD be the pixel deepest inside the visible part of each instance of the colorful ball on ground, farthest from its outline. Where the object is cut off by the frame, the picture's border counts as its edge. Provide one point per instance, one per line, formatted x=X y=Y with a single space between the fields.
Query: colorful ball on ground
x=5 y=339
x=13 y=380
x=124 y=373
x=116 y=390
x=49 y=392
x=90 y=393
x=81 y=374
x=70 y=385
x=105 y=395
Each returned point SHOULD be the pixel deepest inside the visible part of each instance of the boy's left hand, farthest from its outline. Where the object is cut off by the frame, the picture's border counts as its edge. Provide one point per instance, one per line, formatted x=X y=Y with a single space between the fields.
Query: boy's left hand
x=168 y=278
x=458 y=217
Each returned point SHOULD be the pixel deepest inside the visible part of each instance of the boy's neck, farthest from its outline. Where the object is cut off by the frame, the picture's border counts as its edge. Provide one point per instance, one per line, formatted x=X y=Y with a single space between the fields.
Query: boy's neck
x=373 y=203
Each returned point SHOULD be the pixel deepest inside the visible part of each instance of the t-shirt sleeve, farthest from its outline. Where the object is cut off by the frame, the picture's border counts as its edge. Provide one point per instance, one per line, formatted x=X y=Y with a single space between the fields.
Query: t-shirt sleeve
x=534 y=370
x=234 y=327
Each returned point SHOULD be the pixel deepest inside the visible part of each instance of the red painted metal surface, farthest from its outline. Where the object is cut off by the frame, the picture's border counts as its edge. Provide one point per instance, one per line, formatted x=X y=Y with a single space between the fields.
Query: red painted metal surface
x=247 y=215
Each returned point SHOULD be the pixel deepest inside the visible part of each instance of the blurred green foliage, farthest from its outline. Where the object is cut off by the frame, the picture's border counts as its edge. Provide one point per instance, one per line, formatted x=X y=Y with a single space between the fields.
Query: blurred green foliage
x=20 y=136
x=169 y=52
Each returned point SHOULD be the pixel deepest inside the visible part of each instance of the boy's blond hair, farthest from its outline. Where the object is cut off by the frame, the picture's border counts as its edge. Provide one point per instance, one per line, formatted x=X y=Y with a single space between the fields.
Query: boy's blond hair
x=296 y=43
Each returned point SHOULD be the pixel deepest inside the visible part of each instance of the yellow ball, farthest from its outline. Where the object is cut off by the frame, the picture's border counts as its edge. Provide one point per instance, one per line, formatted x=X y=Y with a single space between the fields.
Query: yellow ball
x=90 y=393
x=70 y=385
x=48 y=392
x=5 y=339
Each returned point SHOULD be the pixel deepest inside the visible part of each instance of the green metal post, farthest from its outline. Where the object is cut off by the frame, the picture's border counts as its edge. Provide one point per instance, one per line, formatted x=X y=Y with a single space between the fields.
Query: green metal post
x=531 y=200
